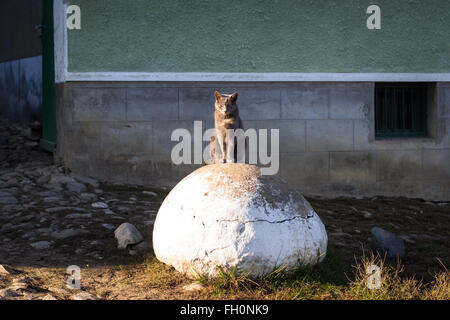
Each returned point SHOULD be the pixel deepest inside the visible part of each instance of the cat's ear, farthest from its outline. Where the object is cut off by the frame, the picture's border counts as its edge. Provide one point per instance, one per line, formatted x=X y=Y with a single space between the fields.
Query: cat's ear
x=217 y=95
x=233 y=97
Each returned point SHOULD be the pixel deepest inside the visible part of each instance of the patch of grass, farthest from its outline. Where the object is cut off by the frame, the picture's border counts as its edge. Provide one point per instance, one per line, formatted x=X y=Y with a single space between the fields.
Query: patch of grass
x=327 y=281
x=160 y=275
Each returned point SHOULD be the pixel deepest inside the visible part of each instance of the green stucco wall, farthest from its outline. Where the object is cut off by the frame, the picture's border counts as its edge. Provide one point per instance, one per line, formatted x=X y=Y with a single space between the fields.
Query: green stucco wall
x=260 y=36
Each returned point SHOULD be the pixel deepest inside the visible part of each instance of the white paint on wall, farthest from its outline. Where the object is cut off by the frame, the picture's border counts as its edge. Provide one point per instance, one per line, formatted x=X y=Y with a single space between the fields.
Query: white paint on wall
x=60 y=39
x=256 y=77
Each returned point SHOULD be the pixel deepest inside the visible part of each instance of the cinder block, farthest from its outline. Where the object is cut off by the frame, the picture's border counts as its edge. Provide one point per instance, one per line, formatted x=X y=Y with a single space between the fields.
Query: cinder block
x=329 y=135
x=258 y=103
x=152 y=103
x=152 y=170
x=126 y=138
x=84 y=138
x=444 y=103
x=98 y=104
x=399 y=165
x=436 y=164
x=162 y=131
x=363 y=132
x=353 y=168
x=305 y=168
x=402 y=188
x=304 y=103
x=438 y=190
x=351 y=102
x=196 y=103
x=291 y=134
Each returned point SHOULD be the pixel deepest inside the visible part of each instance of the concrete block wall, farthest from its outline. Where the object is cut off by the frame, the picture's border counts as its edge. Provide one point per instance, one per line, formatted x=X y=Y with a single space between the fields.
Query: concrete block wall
x=121 y=132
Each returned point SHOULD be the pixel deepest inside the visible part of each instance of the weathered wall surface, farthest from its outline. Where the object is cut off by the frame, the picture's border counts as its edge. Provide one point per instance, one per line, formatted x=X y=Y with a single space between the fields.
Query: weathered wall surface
x=20 y=60
x=260 y=36
x=21 y=89
x=121 y=132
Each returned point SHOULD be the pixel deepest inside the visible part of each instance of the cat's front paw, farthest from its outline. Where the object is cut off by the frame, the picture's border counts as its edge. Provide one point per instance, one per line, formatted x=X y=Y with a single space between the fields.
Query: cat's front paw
x=230 y=161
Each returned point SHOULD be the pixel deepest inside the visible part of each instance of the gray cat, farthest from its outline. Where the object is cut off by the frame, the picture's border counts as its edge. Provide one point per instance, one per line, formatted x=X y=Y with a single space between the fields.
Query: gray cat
x=226 y=116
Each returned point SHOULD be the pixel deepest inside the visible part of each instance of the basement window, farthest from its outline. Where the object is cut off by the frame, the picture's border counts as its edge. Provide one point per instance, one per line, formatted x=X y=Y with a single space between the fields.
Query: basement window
x=400 y=110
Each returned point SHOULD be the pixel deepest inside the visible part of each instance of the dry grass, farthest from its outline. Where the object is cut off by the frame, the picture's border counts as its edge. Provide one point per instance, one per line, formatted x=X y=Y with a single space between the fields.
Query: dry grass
x=322 y=282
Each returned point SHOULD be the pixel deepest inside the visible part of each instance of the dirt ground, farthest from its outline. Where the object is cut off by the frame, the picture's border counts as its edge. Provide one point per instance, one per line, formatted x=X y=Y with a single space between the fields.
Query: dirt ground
x=48 y=222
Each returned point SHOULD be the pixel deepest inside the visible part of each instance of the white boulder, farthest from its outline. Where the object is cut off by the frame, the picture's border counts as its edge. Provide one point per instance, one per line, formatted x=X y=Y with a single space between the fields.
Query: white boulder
x=229 y=215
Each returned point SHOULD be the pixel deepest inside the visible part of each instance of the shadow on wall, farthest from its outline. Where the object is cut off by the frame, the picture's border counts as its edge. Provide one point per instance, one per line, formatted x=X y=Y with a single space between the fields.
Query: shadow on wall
x=21 y=90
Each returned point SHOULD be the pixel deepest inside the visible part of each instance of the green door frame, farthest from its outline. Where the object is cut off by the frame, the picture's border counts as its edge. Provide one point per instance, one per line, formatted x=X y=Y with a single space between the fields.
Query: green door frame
x=48 y=141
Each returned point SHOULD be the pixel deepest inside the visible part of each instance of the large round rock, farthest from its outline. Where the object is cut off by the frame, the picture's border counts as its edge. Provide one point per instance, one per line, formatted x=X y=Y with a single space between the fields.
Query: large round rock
x=229 y=215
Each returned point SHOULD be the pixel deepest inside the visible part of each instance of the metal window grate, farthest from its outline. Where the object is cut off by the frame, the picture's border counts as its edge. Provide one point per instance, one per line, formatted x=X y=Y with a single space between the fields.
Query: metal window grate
x=400 y=109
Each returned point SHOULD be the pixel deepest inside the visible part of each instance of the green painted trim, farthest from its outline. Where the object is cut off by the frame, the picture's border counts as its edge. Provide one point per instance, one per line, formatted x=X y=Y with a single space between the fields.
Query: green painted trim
x=49 y=133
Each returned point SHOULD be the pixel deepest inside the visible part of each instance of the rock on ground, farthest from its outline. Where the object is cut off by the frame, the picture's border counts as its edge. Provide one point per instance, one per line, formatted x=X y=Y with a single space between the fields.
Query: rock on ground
x=230 y=215
x=127 y=234
x=41 y=245
x=387 y=243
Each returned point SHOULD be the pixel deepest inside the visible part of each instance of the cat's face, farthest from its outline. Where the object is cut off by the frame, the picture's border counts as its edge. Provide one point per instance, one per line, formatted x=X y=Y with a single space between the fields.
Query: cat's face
x=225 y=103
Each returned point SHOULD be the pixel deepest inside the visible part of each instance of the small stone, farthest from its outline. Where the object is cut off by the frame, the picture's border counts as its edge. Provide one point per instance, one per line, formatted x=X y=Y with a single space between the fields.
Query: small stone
x=52 y=199
x=84 y=296
x=341 y=234
x=132 y=252
x=99 y=205
x=127 y=234
x=386 y=242
x=195 y=286
x=149 y=193
x=40 y=245
x=59 y=209
x=142 y=245
x=75 y=187
x=108 y=226
x=57 y=178
x=31 y=144
x=6 y=270
x=79 y=215
x=8 y=199
x=407 y=239
x=67 y=233
x=86 y=196
x=29 y=234
x=43 y=180
x=86 y=180
x=367 y=214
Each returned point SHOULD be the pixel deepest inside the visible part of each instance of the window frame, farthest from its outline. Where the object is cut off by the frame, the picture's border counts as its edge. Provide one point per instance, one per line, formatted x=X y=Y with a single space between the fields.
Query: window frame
x=418 y=110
